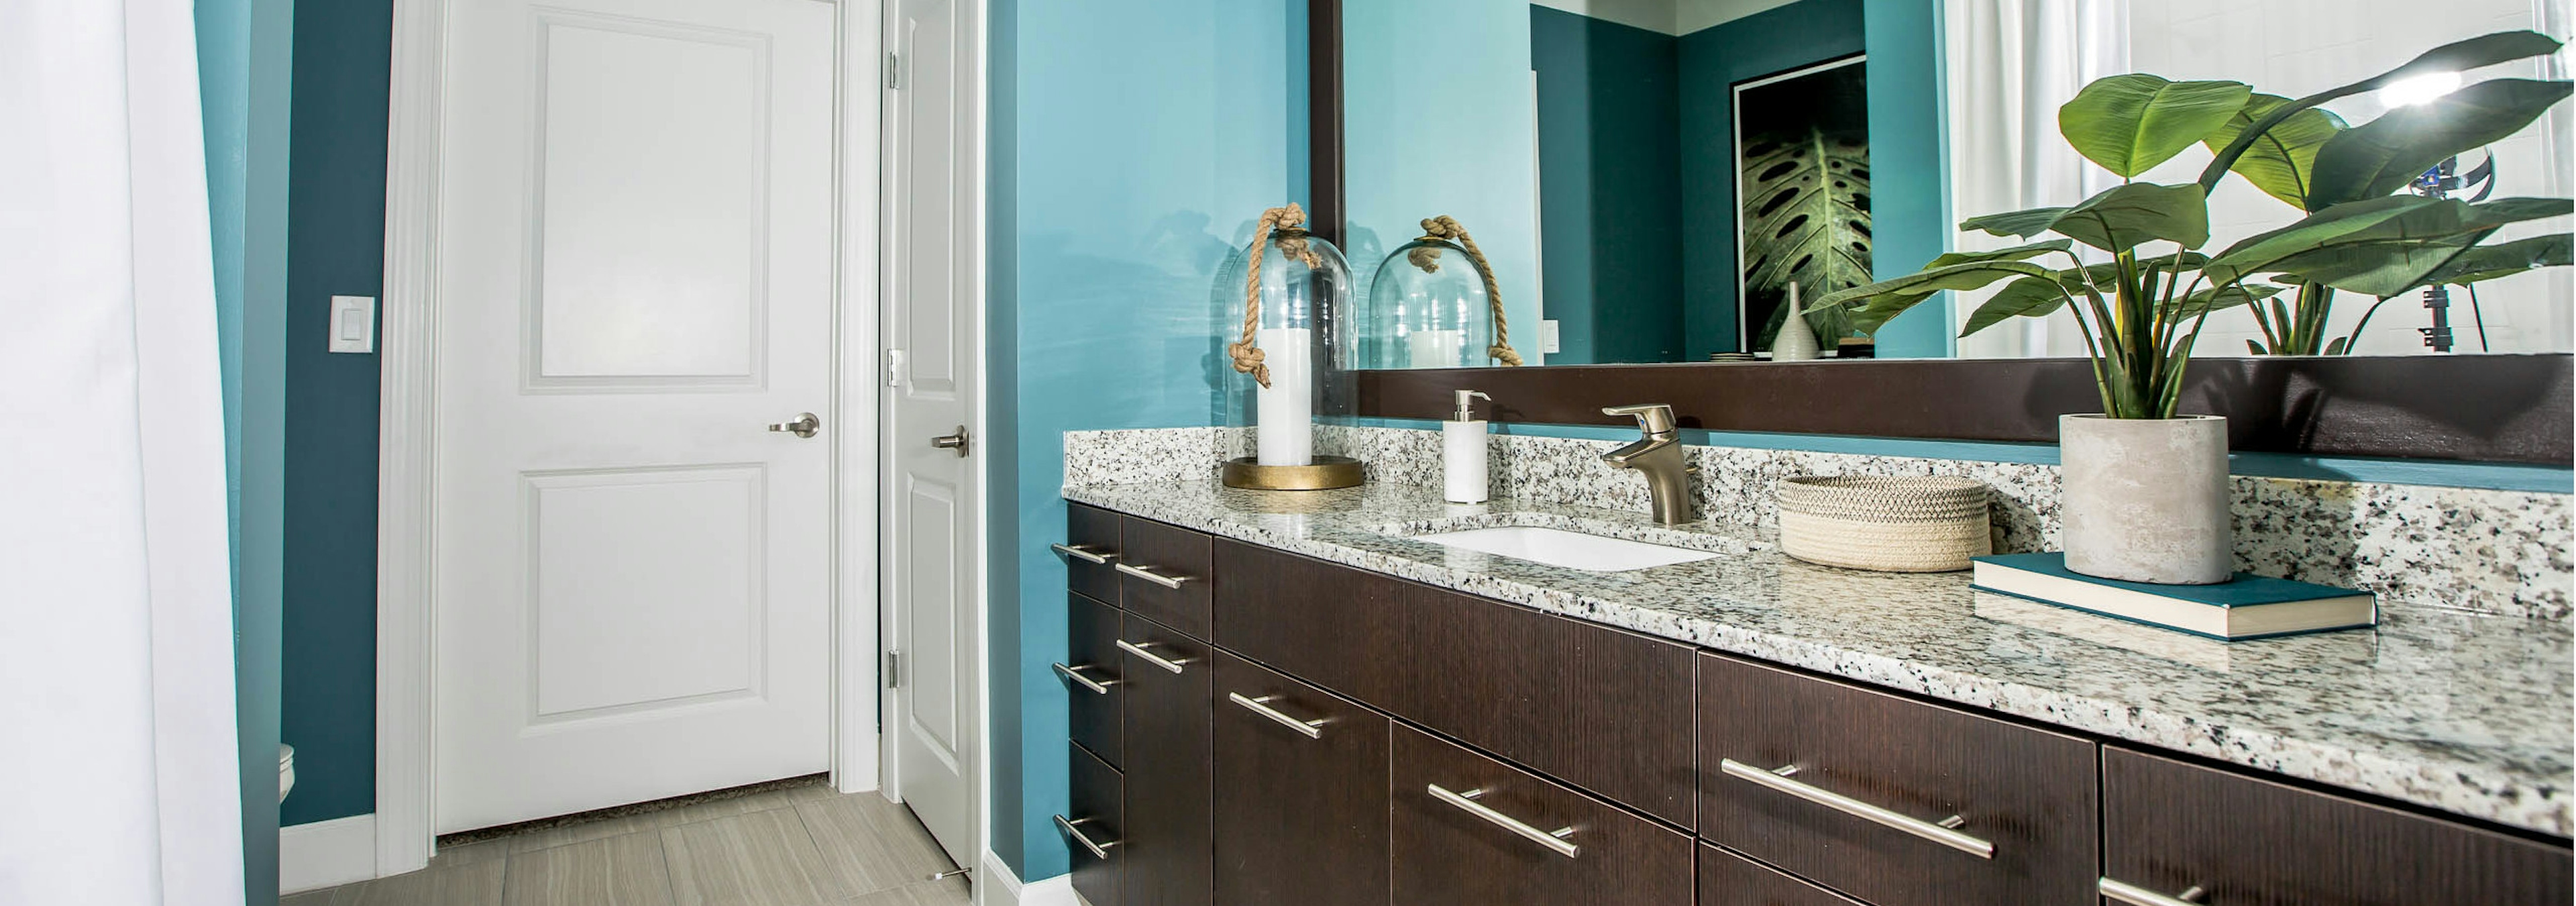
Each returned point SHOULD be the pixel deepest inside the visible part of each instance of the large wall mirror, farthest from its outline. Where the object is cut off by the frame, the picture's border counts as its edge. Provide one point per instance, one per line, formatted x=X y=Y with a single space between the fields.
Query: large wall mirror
x=1649 y=177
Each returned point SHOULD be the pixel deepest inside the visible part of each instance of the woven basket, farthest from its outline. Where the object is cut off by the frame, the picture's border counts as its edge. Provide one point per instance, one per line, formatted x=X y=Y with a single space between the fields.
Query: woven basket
x=1928 y=524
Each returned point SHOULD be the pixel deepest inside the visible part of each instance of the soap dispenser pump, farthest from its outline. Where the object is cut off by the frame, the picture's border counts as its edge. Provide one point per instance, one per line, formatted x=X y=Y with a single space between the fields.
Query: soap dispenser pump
x=1462 y=452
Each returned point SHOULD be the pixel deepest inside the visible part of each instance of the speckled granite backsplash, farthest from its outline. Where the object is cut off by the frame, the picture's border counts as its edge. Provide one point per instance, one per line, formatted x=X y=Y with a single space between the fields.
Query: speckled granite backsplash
x=2502 y=553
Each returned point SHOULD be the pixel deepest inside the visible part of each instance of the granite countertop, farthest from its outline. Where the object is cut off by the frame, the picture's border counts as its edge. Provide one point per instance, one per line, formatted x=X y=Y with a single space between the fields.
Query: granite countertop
x=2459 y=713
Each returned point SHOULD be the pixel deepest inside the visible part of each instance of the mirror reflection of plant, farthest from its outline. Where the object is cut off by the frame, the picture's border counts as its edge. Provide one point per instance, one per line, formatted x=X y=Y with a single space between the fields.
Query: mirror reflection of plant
x=2141 y=312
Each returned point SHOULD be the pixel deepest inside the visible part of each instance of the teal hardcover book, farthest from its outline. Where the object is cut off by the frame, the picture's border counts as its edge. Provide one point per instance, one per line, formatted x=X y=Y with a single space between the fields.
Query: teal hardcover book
x=2246 y=607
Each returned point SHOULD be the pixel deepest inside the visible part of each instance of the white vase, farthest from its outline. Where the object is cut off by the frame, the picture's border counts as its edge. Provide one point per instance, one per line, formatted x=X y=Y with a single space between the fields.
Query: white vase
x=1796 y=341
x=2146 y=498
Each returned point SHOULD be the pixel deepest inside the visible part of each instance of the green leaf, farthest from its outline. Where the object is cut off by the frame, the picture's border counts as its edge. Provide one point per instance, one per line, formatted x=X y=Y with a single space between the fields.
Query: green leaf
x=2024 y=224
x=2457 y=56
x=1877 y=303
x=2337 y=347
x=2016 y=253
x=2128 y=215
x=2222 y=298
x=2505 y=259
x=2027 y=297
x=2254 y=348
x=1806 y=221
x=2390 y=223
x=2130 y=123
x=2280 y=160
x=2385 y=154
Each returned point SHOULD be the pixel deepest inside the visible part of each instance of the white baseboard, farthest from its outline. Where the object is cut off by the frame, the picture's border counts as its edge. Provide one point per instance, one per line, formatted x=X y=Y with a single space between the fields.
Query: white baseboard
x=326 y=853
x=996 y=886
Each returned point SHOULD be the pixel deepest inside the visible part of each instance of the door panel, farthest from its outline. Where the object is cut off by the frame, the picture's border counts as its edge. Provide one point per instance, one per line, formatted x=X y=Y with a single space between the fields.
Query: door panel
x=632 y=575
x=1097 y=816
x=1451 y=854
x=1167 y=764
x=1303 y=819
x=931 y=524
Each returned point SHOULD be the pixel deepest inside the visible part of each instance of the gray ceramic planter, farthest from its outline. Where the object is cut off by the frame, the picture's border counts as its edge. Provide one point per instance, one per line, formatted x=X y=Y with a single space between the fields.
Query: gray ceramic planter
x=2146 y=499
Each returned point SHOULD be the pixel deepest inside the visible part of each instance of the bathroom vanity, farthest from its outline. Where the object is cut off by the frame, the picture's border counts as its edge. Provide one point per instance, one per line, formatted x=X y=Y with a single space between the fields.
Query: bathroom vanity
x=1287 y=698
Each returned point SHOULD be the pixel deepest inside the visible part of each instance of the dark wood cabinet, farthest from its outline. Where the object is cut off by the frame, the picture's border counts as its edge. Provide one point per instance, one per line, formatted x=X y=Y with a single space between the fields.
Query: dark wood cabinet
x=1727 y=879
x=1472 y=831
x=1090 y=674
x=2031 y=796
x=2168 y=825
x=1091 y=826
x=1167 y=765
x=1091 y=552
x=1164 y=575
x=1302 y=816
x=1322 y=622
x=1601 y=708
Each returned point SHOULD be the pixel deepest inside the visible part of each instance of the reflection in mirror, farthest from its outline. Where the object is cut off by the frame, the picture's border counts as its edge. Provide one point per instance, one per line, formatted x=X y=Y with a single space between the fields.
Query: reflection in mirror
x=1647 y=177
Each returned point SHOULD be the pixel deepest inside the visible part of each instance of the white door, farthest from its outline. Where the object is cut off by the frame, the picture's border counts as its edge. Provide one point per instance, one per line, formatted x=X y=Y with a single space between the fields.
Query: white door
x=932 y=521
x=634 y=255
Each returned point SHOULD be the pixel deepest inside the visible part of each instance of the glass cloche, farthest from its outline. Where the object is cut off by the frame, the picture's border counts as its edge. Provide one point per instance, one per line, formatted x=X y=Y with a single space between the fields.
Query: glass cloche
x=1431 y=305
x=1290 y=366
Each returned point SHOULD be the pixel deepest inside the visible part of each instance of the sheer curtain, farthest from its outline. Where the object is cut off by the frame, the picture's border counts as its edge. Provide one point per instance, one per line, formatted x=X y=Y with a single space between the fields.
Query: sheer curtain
x=2010 y=63
x=118 y=778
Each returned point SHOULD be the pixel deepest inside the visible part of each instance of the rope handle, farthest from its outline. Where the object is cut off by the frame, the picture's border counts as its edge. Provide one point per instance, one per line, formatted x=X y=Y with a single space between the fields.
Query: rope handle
x=1288 y=222
x=1447 y=227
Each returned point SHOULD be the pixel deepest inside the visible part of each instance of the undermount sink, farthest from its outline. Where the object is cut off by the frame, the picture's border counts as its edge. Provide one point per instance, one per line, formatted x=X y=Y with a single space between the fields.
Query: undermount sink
x=1572 y=550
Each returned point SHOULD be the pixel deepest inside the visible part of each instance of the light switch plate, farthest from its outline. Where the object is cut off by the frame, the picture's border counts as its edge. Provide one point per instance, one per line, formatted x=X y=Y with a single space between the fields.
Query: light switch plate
x=353 y=323
x=1547 y=336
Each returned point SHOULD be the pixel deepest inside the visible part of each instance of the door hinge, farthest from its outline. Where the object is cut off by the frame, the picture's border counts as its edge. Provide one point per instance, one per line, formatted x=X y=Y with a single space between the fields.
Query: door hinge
x=893 y=660
x=894 y=367
x=894 y=71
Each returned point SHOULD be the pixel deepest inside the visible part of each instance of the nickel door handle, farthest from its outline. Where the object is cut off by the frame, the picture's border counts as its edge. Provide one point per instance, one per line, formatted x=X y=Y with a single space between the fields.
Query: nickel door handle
x=2139 y=896
x=1152 y=658
x=1554 y=840
x=1148 y=574
x=1084 y=552
x=1075 y=674
x=1099 y=850
x=804 y=425
x=1312 y=729
x=956 y=441
x=1943 y=832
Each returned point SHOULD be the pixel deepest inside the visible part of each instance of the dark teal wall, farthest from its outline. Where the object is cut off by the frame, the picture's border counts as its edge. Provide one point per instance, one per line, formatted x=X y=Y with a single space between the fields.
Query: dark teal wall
x=335 y=241
x=1134 y=142
x=244 y=61
x=1609 y=171
x=1713 y=59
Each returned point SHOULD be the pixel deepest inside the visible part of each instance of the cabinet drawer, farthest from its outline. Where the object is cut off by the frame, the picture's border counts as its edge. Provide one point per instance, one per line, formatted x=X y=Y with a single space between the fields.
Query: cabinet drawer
x=1727 y=879
x=1473 y=831
x=1603 y=709
x=1091 y=552
x=1167 y=855
x=1091 y=827
x=1325 y=622
x=1892 y=798
x=1092 y=677
x=1303 y=818
x=1163 y=574
x=2168 y=826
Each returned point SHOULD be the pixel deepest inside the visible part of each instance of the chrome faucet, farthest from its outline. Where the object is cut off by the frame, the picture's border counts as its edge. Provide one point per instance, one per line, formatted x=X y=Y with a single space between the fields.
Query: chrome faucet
x=1658 y=456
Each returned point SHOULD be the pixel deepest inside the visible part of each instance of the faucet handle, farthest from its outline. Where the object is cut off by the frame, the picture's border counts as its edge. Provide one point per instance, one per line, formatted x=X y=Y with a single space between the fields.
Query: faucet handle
x=1652 y=418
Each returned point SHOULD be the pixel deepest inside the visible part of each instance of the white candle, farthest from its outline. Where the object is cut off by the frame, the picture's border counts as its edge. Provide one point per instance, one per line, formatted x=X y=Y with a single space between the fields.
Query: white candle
x=1435 y=348
x=1285 y=410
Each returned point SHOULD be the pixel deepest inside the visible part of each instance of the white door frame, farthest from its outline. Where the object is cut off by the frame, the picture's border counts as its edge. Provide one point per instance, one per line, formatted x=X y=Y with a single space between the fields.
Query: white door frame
x=405 y=533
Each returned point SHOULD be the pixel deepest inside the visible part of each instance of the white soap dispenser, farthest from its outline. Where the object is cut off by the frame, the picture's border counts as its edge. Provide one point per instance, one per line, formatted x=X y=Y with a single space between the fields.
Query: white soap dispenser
x=1462 y=452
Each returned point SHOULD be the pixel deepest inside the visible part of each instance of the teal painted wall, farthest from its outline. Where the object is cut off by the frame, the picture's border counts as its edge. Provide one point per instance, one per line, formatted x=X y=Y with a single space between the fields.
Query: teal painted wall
x=244 y=63
x=1712 y=60
x=1910 y=206
x=1437 y=119
x=1109 y=220
x=335 y=242
x=1610 y=206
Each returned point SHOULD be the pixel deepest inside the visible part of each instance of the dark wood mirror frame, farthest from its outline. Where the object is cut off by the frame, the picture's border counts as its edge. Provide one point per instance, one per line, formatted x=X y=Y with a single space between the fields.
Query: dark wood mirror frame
x=2485 y=408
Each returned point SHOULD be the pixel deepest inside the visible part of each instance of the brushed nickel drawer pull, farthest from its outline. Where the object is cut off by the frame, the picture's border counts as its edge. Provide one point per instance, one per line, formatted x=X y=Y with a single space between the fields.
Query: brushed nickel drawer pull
x=1075 y=674
x=1157 y=660
x=1314 y=729
x=1553 y=840
x=1085 y=553
x=1940 y=832
x=2135 y=895
x=1072 y=829
x=1148 y=574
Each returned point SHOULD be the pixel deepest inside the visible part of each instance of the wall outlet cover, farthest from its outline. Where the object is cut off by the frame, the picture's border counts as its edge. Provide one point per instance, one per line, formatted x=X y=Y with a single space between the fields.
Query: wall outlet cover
x=353 y=323
x=1547 y=336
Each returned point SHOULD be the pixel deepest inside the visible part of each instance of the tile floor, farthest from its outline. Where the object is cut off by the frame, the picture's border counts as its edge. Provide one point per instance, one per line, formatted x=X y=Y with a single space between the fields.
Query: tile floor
x=803 y=846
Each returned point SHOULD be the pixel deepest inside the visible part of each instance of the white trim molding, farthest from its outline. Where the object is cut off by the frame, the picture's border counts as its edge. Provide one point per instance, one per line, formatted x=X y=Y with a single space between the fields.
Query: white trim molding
x=326 y=853
x=996 y=886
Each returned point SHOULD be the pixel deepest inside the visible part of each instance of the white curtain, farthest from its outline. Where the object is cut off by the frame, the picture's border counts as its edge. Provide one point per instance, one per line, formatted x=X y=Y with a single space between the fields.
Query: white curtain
x=2010 y=64
x=118 y=779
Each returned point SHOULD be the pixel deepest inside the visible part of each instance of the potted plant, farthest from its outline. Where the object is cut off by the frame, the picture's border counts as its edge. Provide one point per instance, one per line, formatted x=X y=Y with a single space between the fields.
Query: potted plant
x=2146 y=495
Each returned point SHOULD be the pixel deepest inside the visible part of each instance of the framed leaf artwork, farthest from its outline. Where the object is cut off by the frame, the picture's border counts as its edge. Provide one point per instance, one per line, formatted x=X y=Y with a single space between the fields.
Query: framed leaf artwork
x=1802 y=190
